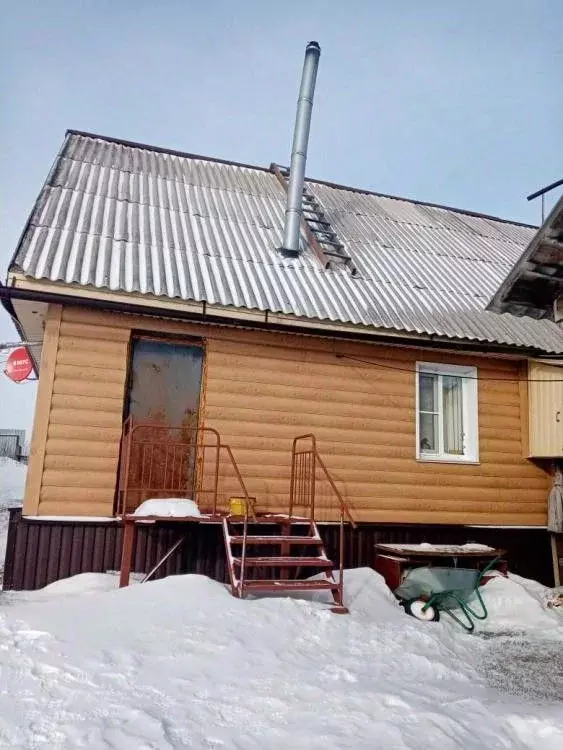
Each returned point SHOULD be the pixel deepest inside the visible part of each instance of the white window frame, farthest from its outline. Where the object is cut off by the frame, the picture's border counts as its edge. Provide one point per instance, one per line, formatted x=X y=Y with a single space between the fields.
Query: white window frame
x=470 y=407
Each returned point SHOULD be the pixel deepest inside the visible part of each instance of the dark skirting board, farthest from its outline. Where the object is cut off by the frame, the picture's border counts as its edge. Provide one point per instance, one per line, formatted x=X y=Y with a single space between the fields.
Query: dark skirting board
x=39 y=552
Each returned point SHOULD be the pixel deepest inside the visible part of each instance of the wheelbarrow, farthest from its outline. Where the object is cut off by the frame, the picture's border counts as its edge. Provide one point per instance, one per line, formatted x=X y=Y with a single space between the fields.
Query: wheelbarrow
x=428 y=591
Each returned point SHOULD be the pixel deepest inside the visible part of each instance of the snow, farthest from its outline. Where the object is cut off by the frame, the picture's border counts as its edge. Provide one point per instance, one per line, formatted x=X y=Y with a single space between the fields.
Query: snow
x=518 y=604
x=12 y=483
x=180 y=663
x=453 y=549
x=172 y=507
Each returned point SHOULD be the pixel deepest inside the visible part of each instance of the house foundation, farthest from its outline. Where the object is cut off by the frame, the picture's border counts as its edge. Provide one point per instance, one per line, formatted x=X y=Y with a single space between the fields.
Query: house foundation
x=41 y=551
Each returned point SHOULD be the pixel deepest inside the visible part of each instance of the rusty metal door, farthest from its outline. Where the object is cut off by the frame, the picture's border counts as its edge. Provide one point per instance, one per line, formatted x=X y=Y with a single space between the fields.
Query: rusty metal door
x=164 y=393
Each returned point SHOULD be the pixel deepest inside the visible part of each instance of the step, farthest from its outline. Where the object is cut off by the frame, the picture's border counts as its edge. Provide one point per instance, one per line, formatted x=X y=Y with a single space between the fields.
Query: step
x=311 y=220
x=284 y=562
x=270 y=519
x=283 y=585
x=334 y=243
x=254 y=539
x=334 y=254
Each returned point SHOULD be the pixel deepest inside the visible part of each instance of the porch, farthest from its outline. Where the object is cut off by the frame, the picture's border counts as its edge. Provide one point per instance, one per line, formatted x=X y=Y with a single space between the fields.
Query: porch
x=164 y=469
x=159 y=461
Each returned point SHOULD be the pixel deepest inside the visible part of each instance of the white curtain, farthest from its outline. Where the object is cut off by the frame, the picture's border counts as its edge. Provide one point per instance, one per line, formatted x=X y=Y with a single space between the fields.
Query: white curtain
x=452 y=388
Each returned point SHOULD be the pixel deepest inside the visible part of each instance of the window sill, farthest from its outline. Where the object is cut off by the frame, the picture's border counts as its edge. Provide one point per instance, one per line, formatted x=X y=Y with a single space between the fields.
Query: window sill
x=448 y=460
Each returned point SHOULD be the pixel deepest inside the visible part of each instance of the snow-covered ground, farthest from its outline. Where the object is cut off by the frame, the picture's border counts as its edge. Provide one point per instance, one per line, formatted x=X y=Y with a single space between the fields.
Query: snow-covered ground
x=179 y=663
x=12 y=481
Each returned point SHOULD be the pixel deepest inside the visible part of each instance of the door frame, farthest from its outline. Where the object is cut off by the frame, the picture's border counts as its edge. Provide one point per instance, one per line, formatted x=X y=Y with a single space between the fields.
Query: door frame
x=165 y=338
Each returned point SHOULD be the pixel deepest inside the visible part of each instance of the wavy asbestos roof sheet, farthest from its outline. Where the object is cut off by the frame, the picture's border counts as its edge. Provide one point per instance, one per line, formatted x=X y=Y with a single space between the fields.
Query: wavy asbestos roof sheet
x=129 y=218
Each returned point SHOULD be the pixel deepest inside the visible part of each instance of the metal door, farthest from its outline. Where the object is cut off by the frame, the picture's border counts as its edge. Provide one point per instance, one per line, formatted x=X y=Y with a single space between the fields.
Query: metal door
x=164 y=393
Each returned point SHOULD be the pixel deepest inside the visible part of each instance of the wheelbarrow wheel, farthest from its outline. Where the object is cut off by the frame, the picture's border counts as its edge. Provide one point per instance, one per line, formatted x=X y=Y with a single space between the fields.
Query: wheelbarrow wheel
x=418 y=608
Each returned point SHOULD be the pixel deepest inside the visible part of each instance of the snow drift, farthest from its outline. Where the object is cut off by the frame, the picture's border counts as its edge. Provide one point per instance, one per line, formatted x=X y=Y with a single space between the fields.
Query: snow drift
x=180 y=663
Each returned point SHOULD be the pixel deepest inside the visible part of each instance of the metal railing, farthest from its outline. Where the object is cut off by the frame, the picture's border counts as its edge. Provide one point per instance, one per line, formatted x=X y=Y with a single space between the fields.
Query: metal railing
x=306 y=463
x=159 y=461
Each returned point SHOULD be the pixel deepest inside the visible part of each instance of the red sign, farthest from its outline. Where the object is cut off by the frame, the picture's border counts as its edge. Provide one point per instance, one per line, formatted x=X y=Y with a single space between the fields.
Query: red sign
x=19 y=365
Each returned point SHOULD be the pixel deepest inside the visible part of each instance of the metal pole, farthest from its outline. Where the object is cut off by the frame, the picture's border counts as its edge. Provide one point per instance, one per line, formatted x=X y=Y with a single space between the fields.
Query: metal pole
x=542 y=207
x=162 y=560
x=294 y=206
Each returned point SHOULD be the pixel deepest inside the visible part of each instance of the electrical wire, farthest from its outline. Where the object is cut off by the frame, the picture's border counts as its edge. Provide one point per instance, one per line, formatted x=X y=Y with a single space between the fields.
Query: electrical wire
x=382 y=366
x=429 y=372
x=17 y=344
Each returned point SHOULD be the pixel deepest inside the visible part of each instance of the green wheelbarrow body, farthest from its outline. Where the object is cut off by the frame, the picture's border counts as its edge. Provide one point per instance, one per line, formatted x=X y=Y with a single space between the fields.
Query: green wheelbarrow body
x=428 y=591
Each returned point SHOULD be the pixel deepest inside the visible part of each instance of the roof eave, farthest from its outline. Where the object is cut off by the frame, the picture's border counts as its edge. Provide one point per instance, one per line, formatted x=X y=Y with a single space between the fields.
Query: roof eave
x=50 y=292
x=536 y=281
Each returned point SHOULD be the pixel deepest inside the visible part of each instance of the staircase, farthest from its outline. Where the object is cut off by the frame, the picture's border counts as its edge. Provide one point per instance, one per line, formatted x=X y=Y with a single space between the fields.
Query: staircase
x=273 y=554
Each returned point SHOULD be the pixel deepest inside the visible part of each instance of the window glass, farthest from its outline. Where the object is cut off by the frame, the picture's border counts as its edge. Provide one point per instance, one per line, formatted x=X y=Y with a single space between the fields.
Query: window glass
x=428 y=432
x=447 y=412
x=428 y=388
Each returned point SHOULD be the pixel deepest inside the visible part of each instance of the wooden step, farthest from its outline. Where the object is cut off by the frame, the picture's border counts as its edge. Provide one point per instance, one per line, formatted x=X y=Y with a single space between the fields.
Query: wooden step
x=308 y=540
x=284 y=562
x=284 y=585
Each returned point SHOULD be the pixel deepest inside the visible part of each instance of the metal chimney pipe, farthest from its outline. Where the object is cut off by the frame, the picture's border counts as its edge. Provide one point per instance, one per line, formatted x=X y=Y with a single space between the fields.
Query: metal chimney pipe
x=294 y=207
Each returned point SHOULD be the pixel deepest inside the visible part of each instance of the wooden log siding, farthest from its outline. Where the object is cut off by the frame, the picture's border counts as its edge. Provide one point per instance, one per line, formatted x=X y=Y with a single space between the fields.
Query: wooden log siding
x=261 y=389
x=79 y=469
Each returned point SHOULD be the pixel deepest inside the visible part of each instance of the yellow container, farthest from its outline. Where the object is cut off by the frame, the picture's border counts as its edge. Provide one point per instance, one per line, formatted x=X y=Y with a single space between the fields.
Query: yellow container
x=237 y=506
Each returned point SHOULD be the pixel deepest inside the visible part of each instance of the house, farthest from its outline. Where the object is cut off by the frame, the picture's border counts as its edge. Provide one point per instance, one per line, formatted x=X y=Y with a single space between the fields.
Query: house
x=156 y=283
x=534 y=288
x=12 y=444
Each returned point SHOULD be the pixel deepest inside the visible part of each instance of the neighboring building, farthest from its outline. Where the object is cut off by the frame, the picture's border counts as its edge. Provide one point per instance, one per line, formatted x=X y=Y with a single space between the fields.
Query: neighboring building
x=534 y=286
x=155 y=281
x=12 y=444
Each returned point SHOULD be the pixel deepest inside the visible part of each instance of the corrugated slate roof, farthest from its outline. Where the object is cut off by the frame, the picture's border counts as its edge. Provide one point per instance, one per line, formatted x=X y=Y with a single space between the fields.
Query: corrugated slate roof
x=134 y=219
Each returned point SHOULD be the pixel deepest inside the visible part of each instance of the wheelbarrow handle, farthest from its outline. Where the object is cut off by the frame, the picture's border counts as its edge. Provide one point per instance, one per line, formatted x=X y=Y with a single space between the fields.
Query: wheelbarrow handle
x=487 y=568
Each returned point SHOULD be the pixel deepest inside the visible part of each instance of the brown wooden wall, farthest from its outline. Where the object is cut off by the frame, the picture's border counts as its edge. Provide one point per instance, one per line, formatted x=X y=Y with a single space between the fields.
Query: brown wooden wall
x=259 y=391
x=78 y=418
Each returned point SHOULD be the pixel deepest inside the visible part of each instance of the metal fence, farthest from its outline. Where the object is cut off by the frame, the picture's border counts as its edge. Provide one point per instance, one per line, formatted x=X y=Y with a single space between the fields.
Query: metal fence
x=12 y=444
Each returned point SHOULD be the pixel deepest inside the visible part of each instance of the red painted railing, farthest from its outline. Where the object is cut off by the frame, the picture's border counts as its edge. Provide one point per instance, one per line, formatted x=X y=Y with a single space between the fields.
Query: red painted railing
x=174 y=462
x=308 y=470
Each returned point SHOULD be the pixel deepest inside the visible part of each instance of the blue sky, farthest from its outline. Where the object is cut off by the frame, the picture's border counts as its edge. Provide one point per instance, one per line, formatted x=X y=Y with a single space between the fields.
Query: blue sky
x=451 y=102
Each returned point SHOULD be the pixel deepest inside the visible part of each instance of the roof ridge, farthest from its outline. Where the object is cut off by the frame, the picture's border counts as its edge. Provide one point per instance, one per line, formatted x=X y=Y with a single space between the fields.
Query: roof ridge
x=335 y=185
x=163 y=150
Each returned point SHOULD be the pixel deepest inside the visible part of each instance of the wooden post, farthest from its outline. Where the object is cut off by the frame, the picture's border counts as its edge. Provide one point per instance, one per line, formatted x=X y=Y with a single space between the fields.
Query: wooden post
x=556 y=557
x=285 y=527
x=129 y=530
